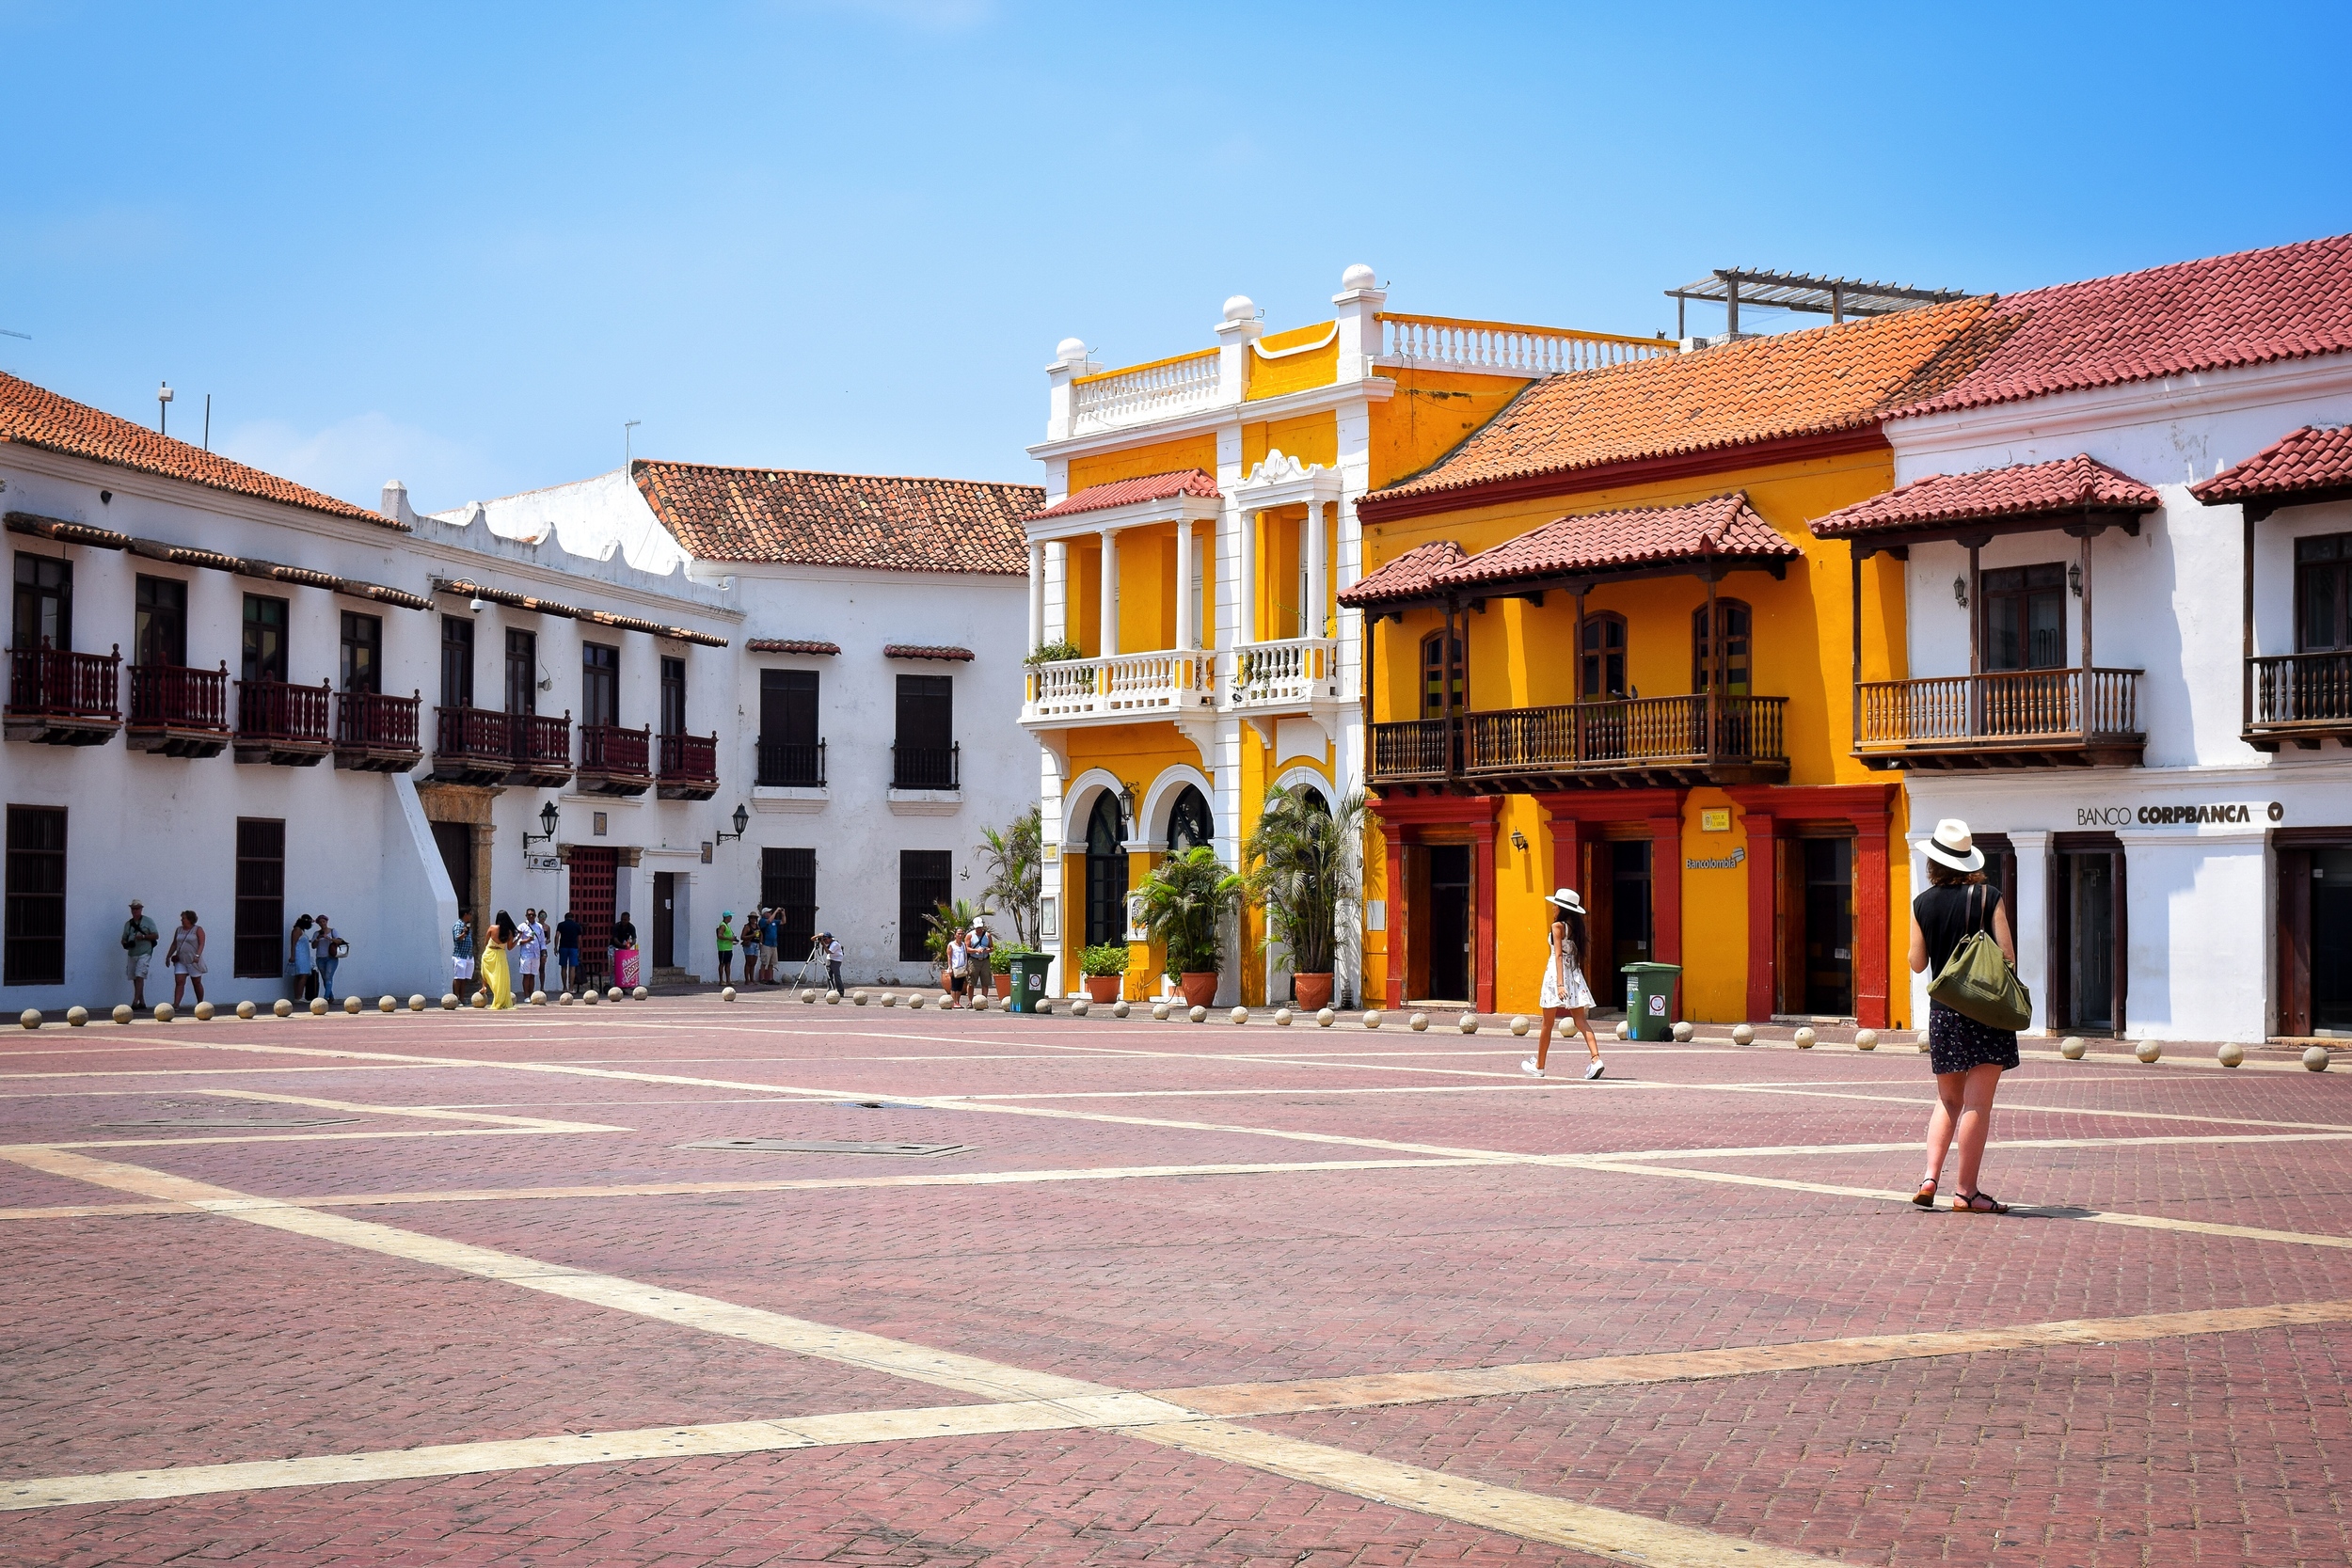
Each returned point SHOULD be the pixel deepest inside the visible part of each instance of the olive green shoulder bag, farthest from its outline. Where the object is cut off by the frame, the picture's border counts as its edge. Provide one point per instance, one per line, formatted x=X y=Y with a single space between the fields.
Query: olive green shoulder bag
x=1977 y=982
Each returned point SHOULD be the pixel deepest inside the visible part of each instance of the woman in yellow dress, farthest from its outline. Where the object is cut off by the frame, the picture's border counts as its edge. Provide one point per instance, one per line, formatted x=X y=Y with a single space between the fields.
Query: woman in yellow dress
x=495 y=943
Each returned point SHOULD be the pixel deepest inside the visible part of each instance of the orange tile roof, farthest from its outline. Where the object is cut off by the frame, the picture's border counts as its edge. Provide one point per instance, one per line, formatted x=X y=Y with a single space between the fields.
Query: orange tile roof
x=1627 y=540
x=1817 y=382
x=2024 y=490
x=1123 y=492
x=819 y=519
x=2310 y=461
x=1410 y=575
x=33 y=416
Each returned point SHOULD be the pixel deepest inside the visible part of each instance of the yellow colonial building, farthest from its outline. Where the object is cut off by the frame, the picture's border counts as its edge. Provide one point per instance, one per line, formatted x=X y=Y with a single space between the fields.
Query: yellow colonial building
x=1191 y=640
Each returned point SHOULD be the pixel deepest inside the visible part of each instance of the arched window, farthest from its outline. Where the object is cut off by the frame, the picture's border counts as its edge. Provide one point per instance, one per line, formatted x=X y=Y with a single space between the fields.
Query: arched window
x=1187 y=822
x=1604 y=656
x=1433 y=663
x=1106 y=873
x=1732 y=620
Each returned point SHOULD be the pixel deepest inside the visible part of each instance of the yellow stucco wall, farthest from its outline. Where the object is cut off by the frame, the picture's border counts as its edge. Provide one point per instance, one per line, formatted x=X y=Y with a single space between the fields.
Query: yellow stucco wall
x=1162 y=457
x=1430 y=415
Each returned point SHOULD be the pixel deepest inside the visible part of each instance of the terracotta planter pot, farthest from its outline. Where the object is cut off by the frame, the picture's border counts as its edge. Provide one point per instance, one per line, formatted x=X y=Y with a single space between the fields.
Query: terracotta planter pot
x=1004 y=986
x=1104 y=988
x=1312 y=991
x=1200 y=988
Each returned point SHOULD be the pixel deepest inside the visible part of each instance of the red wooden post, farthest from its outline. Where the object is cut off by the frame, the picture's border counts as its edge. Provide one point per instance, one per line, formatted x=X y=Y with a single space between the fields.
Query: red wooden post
x=1482 y=893
x=1763 y=867
x=1871 y=914
x=1665 y=872
x=1393 y=837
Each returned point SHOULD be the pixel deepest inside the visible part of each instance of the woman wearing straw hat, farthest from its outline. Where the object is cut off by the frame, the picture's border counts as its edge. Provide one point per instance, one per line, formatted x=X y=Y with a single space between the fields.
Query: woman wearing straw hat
x=1564 y=991
x=1968 y=1057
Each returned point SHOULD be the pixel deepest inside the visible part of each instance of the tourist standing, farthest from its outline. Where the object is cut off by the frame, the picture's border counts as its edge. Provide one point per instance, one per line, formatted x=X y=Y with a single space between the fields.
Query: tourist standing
x=1968 y=1057
x=184 y=956
x=1564 y=991
x=302 y=964
x=328 y=949
x=752 y=924
x=495 y=943
x=959 y=966
x=526 y=956
x=835 y=955
x=980 y=951
x=461 y=958
x=726 y=947
x=567 y=949
x=770 y=941
x=140 y=937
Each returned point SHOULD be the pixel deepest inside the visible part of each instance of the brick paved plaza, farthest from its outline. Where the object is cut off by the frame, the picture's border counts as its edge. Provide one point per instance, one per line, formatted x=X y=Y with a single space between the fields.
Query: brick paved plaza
x=457 y=1289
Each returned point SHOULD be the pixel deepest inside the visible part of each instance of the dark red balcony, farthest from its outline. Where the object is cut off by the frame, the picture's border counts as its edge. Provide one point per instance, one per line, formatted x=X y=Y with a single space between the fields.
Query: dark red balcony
x=614 y=760
x=179 y=712
x=472 y=745
x=283 y=725
x=690 y=766
x=540 y=750
x=62 y=698
x=375 y=733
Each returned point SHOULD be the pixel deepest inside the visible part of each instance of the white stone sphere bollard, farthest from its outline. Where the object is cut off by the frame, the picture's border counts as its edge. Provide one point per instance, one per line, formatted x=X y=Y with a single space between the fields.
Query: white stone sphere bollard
x=1467 y=1024
x=1120 y=1008
x=2149 y=1051
x=889 y=999
x=1683 y=1032
x=318 y=1006
x=615 y=994
x=481 y=998
x=1080 y=1006
x=564 y=998
x=808 y=995
x=833 y=999
x=538 y=999
x=2231 y=1054
x=2315 y=1057
x=981 y=1002
x=589 y=996
x=387 y=1005
x=1159 y=1012
x=1624 y=1029
x=1419 y=1022
x=1743 y=1034
x=947 y=999
x=1045 y=1005
x=1371 y=1018
x=282 y=1007
x=1239 y=1015
x=122 y=1012
x=2073 y=1047
x=1519 y=1024
x=30 y=1018
x=726 y=993
x=415 y=1002
x=1923 y=1043
x=163 y=1012
x=1865 y=1040
x=915 y=1001
x=78 y=1017
x=857 y=999
x=449 y=1002
x=1805 y=1037
x=351 y=1006
x=641 y=994
x=1324 y=1018
x=1282 y=1017
x=205 y=1013
x=1198 y=1014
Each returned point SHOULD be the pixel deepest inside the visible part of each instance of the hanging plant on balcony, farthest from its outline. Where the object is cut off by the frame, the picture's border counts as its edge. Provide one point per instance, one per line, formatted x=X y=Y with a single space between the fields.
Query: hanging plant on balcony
x=1185 y=902
x=1304 y=860
x=1054 y=653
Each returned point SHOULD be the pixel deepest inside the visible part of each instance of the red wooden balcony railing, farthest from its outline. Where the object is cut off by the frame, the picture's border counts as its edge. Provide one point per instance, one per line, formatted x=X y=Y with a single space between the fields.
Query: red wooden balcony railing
x=174 y=697
x=477 y=739
x=48 y=682
x=369 y=722
x=275 y=710
x=609 y=749
x=690 y=759
x=541 y=745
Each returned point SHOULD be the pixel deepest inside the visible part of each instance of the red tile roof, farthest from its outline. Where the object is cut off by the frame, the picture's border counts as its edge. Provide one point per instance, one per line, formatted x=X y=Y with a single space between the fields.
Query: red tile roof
x=2252 y=308
x=926 y=650
x=1825 y=380
x=790 y=645
x=1409 y=576
x=820 y=519
x=33 y=416
x=2068 y=485
x=1601 y=541
x=2316 y=457
x=1150 y=487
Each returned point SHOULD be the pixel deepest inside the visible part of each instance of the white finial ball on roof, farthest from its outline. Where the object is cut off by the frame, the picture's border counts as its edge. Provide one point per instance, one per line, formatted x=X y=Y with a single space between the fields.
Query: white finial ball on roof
x=1240 y=307
x=1070 y=350
x=1359 y=277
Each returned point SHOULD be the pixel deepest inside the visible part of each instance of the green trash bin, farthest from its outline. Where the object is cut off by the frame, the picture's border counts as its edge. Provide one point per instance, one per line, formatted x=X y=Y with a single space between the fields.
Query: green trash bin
x=1649 y=1000
x=1028 y=980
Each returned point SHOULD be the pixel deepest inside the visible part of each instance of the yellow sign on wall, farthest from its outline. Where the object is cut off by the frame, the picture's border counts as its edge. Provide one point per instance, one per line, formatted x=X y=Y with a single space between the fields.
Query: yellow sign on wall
x=1716 y=821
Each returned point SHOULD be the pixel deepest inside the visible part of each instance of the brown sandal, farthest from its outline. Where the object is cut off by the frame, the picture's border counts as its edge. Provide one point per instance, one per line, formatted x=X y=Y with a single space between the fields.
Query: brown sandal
x=1925 y=1197
x=1977 y=1202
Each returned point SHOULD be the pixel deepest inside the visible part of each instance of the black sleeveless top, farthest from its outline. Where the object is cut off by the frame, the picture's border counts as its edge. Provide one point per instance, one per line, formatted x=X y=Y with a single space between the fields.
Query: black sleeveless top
x=1947 y=914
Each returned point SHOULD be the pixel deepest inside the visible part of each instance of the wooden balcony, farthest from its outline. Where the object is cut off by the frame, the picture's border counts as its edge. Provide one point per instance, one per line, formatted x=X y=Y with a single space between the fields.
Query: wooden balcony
x=179 y=712
x=2009 y=719
x=614 y=760
x=1627 y=742
x=690 y=766
x=62 y=698
x=471 y=745
x=283 y=725
x=541 y=749
x=2302 y=698
x=375 y=733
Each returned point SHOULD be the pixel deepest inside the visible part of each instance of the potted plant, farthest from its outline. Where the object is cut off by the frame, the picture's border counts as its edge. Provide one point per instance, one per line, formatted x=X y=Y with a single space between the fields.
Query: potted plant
x=1014 y=859
x=1303 y=863
x=1006 y=953
x=1104 y=967
x=1184 y=901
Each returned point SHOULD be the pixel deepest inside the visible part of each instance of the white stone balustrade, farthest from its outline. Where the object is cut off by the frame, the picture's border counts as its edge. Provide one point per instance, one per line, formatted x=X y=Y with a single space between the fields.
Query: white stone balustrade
x=1145 y=393
x=1293 y=672
x=1499 y=348
x=1126 y=687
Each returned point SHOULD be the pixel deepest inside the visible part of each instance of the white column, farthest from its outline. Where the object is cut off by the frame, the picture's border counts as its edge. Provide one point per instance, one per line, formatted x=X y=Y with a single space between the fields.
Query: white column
x=1108 y=616
x=1058 y=624
x=1312 y=617
x=1187 y=634
x=1246 y=579
x=1036 y=595
x=2029 y=924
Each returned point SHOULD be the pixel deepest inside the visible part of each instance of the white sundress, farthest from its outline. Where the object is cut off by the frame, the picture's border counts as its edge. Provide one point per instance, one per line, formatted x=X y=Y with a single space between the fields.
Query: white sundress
x=1575 y=992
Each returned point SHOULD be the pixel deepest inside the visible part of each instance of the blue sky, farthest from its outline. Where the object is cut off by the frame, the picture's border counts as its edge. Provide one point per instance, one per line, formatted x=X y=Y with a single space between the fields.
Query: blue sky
x=461 y=244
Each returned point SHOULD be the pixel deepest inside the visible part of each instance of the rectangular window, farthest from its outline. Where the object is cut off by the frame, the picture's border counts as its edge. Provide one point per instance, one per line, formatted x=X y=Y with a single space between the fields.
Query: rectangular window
x=363 y=652
x=44 y=603
x=2024 y=617
x=599 y=683
x=522 y=671
x=927 y=877
x=160 y=635
x=35 y=947
x=674 y=696
x=787 y=882
x=265 y=639
x=456 y=662
x=788 y=755
x=924 y=756
x=260 y=898
x=2323 y=593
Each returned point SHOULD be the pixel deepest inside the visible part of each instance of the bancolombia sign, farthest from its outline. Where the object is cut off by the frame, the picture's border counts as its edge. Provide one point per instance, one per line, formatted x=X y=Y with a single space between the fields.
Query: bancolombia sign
x=2168 y=816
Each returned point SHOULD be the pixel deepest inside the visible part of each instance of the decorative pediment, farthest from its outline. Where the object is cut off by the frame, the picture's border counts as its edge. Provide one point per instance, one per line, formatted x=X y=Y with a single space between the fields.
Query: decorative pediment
x=1278 y=467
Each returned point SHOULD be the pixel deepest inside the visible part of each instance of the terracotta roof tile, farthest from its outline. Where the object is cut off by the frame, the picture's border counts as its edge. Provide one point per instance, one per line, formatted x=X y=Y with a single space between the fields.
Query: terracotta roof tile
x=1632 y=538
x=927 y=650
x=1814 y=382
x=790 y=645
x=1150 y=487
x=820 y=519
x=34 y=417
x=2247 y=308
x=2316 y=457
x=1409 y=576
x=2068 y=485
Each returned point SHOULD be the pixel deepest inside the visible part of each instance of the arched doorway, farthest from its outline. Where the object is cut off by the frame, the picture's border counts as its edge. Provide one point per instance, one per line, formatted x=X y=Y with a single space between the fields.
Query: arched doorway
x=1188 y=821
x=1106 y=873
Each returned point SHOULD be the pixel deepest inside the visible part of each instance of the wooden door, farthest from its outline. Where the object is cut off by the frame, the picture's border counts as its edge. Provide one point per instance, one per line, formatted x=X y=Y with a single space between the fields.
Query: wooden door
x=665 y=919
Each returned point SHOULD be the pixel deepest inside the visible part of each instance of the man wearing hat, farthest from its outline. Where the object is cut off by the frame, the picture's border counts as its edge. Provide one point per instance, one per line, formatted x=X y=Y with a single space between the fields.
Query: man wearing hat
x=980 y=951
x=140 y=937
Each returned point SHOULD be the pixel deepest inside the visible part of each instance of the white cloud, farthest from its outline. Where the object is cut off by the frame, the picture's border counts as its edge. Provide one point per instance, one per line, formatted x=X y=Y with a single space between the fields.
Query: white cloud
x=353 y=458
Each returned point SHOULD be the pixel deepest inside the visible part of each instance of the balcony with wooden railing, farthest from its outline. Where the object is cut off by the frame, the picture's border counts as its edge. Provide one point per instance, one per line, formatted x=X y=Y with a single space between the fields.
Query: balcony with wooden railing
x=541 y=749
x=60 y=698
x=282 y=724
x=614 y=760
x=1505 y=348
x=177 y=711
x=1667 y=741
x=2299 y=698
x=377 y=734
x=2002 y=718
x=690 y=766
x=1124 y=688
x=472 y=745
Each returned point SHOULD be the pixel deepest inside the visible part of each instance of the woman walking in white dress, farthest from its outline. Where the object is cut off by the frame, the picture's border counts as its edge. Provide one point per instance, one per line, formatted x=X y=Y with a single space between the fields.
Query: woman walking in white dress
x=1564 y=991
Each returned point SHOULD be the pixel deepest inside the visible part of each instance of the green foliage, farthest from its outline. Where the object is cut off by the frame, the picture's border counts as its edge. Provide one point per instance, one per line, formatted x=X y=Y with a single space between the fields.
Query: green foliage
x=942 y=924
x=1007 y=951
x=1184 y=901
x=1054 y=653
x=1014 y=859
x=1303 y=861
x=1109 y=957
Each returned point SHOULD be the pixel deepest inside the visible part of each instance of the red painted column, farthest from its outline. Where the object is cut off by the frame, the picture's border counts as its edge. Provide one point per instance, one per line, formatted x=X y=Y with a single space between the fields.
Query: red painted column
x=1763 y=868
x=1665 y=887
x=1567 y=855
x=1483 y=875
x=1871 y=915
x=1394 y=837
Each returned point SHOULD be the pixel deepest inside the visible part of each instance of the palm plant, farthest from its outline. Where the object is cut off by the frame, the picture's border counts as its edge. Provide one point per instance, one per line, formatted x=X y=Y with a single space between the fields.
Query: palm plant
x=1304 y=860
x=942 y=924
x=1184 y=901
x=1014 y=859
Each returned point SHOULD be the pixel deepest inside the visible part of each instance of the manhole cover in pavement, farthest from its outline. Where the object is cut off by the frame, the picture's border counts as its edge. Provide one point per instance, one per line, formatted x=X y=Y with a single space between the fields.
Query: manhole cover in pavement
x=214 y=1121
x=829 y=1145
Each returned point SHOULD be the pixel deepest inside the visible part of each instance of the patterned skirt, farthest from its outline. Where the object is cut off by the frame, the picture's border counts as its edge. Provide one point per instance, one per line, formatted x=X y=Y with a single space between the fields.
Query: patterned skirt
x=1956 y=1042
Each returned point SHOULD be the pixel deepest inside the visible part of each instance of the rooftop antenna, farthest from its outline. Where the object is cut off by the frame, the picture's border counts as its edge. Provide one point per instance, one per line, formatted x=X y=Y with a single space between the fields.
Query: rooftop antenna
x=628 y=447
x=208 y=422
x=163 y=408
